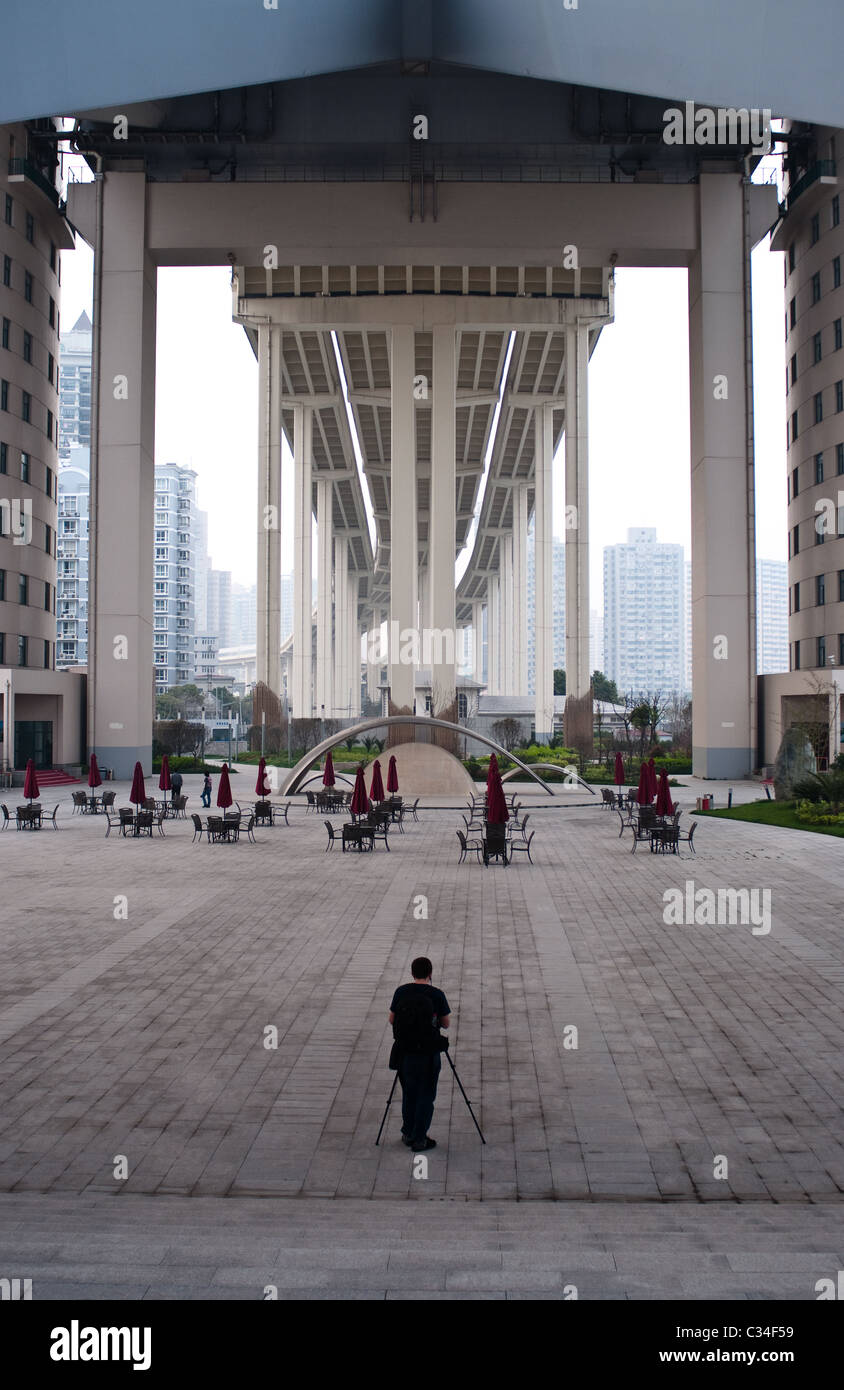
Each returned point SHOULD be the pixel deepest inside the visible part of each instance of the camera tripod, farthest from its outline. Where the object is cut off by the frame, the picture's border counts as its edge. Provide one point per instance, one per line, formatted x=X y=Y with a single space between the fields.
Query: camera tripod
x=462 y=1092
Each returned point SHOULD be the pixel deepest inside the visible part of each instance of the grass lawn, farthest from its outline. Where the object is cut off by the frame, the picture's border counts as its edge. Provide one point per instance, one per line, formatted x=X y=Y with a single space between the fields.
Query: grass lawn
x=771 y=813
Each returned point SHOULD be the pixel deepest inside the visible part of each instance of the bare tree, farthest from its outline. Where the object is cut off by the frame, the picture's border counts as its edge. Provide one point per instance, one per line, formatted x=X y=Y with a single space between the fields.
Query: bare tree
x=507 y=732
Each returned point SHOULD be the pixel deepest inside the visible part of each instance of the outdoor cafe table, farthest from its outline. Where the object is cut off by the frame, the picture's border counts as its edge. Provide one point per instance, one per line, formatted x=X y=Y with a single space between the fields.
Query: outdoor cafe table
x=29 y=817
x=356 y=834
x=95 y=805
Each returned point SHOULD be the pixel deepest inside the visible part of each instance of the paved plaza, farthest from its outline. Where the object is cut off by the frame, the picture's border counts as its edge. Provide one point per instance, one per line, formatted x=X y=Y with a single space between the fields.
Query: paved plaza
x=685 y=1140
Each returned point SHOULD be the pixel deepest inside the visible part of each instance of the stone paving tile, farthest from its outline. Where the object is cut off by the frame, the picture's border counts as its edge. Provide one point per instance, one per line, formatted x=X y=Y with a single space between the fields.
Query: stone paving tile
x=146 y=1037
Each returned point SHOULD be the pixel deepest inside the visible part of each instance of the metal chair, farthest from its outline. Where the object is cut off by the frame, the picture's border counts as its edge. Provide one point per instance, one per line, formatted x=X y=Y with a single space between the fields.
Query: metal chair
x=688 y=838
x=468 y=846
x=331 y=835
x=249 y=827
x=380 y=823
x=180 y=804
x=311 y=803
x=214 y=829
x=197 y=828
x=280 y=813
x=6 y=816
x=52 y=818
x=522 y=846
x=495 y=843
x=263 y=813
x=108 y=799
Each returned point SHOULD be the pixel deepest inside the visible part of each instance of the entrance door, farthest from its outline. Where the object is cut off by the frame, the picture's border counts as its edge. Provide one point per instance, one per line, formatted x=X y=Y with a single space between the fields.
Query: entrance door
x=34 y=739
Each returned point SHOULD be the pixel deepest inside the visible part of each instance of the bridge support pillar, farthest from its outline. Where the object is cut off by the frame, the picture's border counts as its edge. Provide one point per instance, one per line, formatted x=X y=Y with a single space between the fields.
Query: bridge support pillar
x=543 y=560
x=442 y=525
x=404 y=545
x=302 y=694
x=325 y=631
x=519 y=603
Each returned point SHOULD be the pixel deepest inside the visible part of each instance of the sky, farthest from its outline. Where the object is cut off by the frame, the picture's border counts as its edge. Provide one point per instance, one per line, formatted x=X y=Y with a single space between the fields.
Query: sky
x=206 y=410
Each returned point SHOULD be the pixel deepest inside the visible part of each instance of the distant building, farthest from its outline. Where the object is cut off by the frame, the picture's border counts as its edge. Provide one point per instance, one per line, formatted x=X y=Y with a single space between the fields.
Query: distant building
x=72 y=552
x=244 y=615
x=771 y=616
x=75 y=386
x=174 y=575
x=219 y=609
x=558 y=582
x=644 y=614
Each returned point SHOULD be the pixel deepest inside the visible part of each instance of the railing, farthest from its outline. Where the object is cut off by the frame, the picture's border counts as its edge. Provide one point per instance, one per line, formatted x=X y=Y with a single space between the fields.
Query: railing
x=822 y=168
x=23 y=168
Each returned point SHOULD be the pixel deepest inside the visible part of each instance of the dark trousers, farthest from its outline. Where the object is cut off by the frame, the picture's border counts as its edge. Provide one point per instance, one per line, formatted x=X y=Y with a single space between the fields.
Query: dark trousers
x=418 y=1075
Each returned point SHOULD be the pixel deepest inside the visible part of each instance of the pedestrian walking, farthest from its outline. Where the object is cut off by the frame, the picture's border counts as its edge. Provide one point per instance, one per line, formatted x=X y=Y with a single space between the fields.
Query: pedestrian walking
x=418 y=1011
x=175 y=785
x=206 y=790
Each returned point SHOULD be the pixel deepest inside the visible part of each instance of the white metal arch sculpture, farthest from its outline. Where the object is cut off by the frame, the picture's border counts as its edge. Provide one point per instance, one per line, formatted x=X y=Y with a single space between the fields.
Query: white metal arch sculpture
x=572 y=774
x=388 y=721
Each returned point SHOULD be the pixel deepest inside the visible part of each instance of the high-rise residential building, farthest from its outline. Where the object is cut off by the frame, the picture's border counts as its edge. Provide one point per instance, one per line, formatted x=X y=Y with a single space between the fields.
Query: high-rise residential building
x=687 y=567
x=644 y=614
x=203 y=564
x=75 y=408
x=244 y=616
x=286 y=606
x=558 y=582
x=596 y=639
x=811 y=234
x=219 y=610
x=771 y=616
x=205 y=659
x=174 y=581
x=72 y=548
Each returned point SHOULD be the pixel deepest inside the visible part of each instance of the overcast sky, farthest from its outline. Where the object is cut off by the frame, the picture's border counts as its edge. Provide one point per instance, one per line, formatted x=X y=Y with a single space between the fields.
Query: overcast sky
x=206 y=392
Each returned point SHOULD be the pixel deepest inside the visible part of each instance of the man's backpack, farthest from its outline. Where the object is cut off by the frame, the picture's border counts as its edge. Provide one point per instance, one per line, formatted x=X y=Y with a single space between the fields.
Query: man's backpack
x=413 y=1026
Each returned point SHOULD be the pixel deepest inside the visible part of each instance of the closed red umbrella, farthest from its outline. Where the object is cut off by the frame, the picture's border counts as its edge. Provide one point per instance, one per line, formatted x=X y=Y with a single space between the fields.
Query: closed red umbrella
x=497 y=813
x=392 y=775
x=644 y=795
x=94 y=778
x=653 y=777
x=224 y=791
x=664 y=806
x=619 y=770
x=328 y=778
x=138 y=794
x=164 y=778
x=360 y=801
x=376 y=789
x=262 y=786
x=30 y=785
x=492 y=770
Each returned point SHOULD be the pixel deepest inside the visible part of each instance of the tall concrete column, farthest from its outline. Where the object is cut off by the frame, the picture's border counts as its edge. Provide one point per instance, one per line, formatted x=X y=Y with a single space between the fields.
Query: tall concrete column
x=519 y=602
x=404 y=545
x=543 y=586
x=723 y=542
x=302 y=584
x=341 y=626
x=578 y=674
x=477 y=643
x=325 y=622
x=268 y=624
x=443 y=522
x=506 y=622
x=120 y=659
x=354 y=643
x=423 y=602
x=493 y=633
x=373 y=668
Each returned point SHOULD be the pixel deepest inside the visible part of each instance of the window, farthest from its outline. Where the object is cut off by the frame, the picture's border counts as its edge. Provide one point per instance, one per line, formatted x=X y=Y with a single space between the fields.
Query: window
x=836 y=273
x=836 y=211
x=48 y=539
x=821 y=651
x=2 y=648
x=820 y=590
x=46 y=597
x=4 y=458
x=839 y=396
x=24 y=468
x=4 y=395
x=23 y=590
x=794 y=478
x=793 y=425
x=2 y=585
x=817 y=352
x=792 y=312
x=21 y=651
x=49 y=430
x=815 y=229
x=26 y=406
x=52 y=312
x=48 y=485
x=839 y=459
x=52 y=256
x=30 y=229
x=841 y=586
x=793 y=368
x=797 y=598
x=818 y=407
x=27 y=287
x=818 y=468
x=51 y=367
x=46 y=655
x=840 y=649
x=792 y=256
x=27 y=347
x=797 y=656
x=7 y=270
x=796 y=540
x=838 y=339
x=819 y=532
x=9 y=209
x=6 y=327
x=816 y=287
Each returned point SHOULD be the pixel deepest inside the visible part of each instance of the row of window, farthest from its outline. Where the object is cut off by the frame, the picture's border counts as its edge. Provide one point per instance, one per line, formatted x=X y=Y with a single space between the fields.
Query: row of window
x=816 y=293
x=29 y=648
x=817 y=647
x=815 y=231
x=817 y=352
x=27 y=470
x=26 y=351
x=819 y=471
x=26 y=588
x=53 y=316
x=820 y=592
x=818 y=529
x=29 y=227
x=51 y=424
x=817 y=412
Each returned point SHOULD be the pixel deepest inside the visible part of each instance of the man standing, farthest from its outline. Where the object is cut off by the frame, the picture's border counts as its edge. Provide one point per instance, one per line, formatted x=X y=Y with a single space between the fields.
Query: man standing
x=418 y=1012
x=175 y=786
